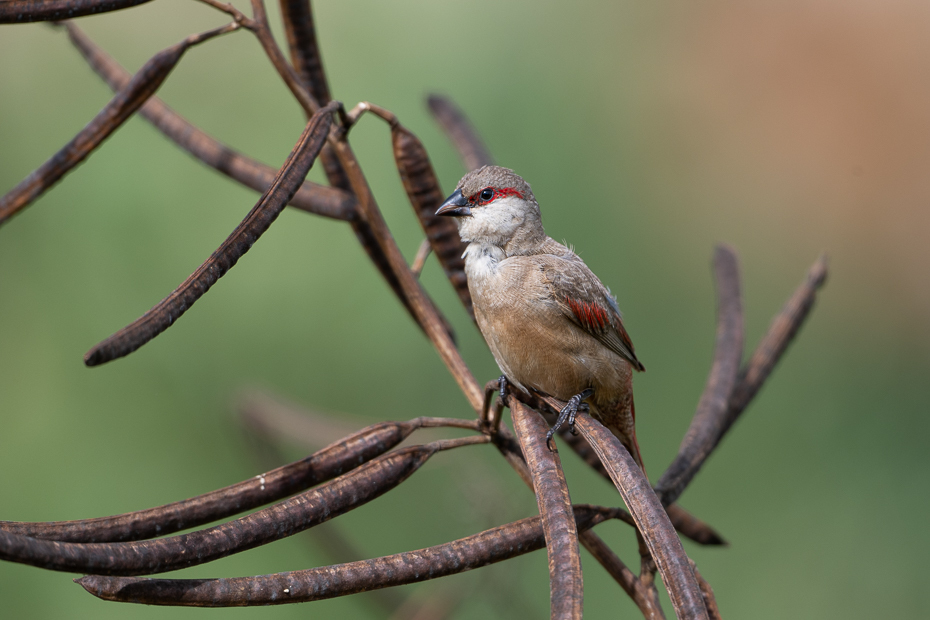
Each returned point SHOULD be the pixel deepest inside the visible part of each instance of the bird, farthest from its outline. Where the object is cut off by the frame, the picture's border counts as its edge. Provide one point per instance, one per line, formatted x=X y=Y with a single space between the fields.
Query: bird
x=550 y=323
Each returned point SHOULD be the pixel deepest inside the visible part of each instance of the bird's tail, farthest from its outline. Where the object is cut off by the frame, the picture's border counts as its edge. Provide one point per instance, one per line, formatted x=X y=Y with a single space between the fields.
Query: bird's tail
x=620 y=419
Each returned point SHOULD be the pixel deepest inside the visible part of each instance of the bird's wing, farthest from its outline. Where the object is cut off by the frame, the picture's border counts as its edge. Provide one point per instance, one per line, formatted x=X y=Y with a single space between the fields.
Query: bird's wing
x=587 y=303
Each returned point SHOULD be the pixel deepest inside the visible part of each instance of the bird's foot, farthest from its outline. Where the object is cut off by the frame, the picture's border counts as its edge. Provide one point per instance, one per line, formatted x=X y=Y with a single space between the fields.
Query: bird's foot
x=503 y=384
x=567 y=415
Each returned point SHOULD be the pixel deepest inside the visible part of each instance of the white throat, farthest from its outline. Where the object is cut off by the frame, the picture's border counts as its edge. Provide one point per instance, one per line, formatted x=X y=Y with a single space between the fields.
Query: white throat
x=481 y=260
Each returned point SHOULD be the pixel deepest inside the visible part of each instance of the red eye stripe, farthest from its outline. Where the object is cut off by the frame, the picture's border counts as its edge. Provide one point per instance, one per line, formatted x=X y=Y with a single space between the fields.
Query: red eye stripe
x=501 y=192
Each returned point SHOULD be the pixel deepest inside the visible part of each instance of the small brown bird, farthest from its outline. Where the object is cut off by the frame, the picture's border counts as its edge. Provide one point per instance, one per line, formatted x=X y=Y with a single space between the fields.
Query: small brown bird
x=549 y=322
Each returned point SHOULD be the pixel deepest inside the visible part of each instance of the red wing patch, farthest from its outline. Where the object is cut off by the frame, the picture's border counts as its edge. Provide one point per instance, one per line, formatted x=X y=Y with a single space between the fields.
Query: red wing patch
x=591 y=316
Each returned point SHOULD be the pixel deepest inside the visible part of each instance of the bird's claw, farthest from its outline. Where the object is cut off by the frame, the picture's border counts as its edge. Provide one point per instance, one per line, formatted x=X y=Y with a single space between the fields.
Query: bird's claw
x=567 y=415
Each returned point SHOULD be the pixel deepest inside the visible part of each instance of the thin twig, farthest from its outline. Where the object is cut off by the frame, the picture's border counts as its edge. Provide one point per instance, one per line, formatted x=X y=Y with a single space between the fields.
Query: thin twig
x=565 y=580
x=728 y=351
x=142 y=85
x=469 y=146
x=286 y=518
x=494 y=545
x=259 y=219
x=650 y=517
x=23 y=11
x=710 y=601
x=419 y=261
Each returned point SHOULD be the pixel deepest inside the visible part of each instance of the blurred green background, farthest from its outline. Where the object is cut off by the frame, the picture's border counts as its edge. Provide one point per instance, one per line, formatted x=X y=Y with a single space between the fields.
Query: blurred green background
x=649 y=132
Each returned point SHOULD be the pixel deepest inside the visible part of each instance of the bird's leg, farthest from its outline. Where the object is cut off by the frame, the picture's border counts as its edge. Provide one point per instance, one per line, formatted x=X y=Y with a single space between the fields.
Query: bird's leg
x=568 y=415
x=491 y=411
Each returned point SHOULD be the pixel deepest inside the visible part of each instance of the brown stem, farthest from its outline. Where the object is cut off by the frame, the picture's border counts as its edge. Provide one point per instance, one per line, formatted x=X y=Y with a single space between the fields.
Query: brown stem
x=424 y=310
x=333 y=164
x=494 y=545
x=728 y=351
x=334 y=460
x=310 y=197
x=286 y=518
x=651 y=520
x=142 y=85
x=259 y=219
x=23 y=11
x=565 y=579
x=464 y=138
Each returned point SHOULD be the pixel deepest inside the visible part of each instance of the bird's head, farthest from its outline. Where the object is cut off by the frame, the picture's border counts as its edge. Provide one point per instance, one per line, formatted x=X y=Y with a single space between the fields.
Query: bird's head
x=494 y=205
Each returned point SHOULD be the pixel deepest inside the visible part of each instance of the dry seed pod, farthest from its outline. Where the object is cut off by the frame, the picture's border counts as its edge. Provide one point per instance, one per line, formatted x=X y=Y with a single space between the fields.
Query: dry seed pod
x=123 y=105
x=333 y=460
x=422 y=187
x=494 y=545
x=262 y=215
x=284 y=519
x=23 y=11
x=310 y=197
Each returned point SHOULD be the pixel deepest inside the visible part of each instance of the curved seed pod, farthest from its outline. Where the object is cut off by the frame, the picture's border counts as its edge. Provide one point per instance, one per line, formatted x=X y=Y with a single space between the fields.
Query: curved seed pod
x=494 y=545
x=651 y=520
x=470 y=148
x=23 y=11
x=310 y=197
x=333 y=460
x=129 y=99
x=728 y=351
x=555 y=508
x=422 y=187
x=171 y=308
x=781 y=332
x=284 y=519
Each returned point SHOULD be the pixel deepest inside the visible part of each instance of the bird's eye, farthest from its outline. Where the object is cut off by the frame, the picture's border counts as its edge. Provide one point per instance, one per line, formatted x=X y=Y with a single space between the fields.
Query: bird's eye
x=486 y=194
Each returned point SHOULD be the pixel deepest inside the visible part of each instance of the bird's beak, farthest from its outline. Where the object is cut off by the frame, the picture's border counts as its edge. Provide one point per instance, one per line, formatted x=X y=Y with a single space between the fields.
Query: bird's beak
x=456 y=204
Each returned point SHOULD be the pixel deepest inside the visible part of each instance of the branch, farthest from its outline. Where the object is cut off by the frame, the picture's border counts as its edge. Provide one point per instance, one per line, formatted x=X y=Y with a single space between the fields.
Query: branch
x=262 y=215
x=426 y=196
x=310 y=197
x=109 y=119
x=284 y=519
x=565 y=579
x=494 y=545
